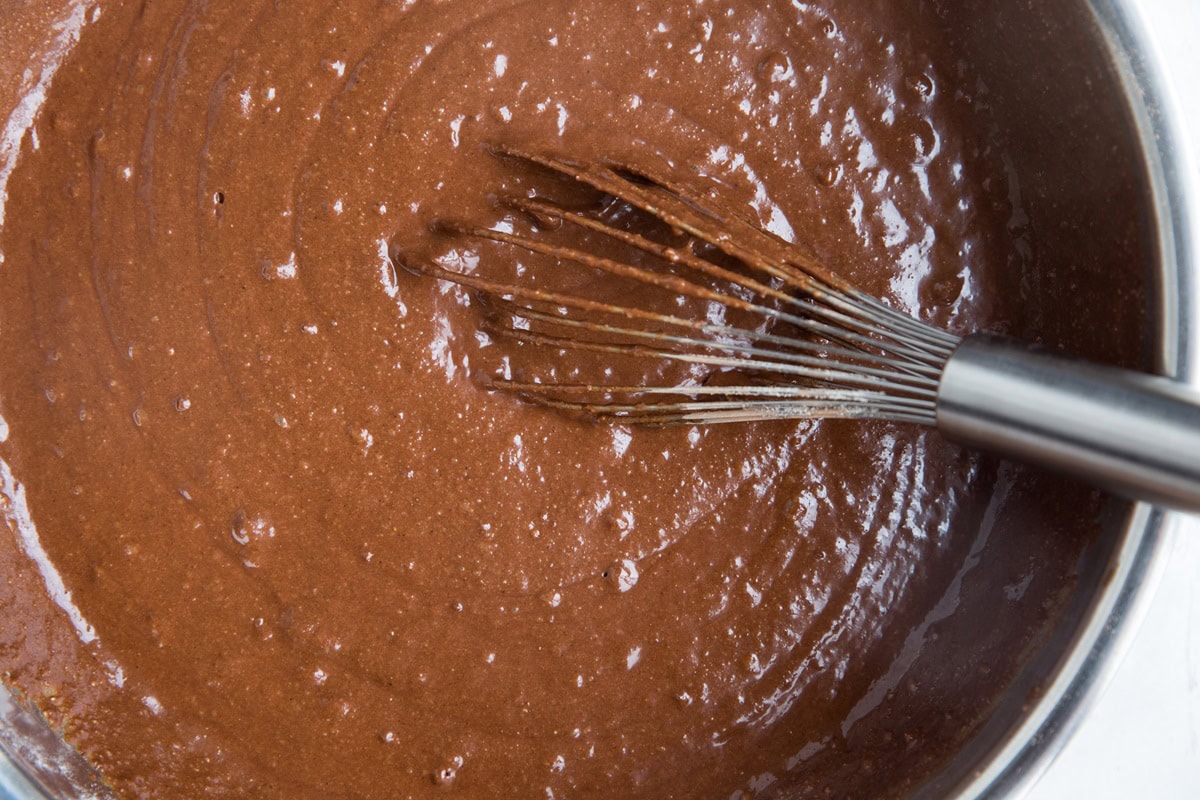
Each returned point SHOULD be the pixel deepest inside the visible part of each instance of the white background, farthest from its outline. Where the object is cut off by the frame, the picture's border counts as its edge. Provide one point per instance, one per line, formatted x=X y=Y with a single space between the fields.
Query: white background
x=1142 y=737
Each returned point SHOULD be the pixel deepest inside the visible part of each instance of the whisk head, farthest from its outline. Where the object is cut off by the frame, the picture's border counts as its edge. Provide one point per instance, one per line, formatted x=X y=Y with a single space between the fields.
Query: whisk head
x=807 y=344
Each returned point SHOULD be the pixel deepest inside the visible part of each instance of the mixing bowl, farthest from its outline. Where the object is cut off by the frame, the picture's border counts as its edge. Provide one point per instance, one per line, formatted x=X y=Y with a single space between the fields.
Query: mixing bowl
x=1080 y=81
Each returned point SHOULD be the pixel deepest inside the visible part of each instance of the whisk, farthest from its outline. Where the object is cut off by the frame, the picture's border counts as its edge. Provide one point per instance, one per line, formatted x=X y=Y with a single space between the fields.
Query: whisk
x=820 y=348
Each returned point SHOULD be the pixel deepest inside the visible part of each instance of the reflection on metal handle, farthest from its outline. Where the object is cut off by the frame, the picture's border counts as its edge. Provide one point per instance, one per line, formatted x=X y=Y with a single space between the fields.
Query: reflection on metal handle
x=1134 y=434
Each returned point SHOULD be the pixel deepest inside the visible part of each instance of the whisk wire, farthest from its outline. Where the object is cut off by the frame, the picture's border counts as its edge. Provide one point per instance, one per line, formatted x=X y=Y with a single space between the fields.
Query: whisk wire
x=842 y=353
x=680 y=208
x=749 y=363
x=924 y=374
x=795 y=396
x=837 y=316
x=766 y=356
x=852 y=330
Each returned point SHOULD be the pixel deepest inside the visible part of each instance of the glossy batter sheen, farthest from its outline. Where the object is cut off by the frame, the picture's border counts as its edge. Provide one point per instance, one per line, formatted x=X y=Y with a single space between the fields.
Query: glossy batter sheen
x=269 y=536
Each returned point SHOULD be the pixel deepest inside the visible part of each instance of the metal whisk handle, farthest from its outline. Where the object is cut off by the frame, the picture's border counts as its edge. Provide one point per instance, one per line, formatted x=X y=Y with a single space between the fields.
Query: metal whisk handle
x=1135 y=434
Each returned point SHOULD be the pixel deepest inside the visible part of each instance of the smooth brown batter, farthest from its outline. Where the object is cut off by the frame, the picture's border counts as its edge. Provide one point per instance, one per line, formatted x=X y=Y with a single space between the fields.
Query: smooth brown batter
x=270 y=538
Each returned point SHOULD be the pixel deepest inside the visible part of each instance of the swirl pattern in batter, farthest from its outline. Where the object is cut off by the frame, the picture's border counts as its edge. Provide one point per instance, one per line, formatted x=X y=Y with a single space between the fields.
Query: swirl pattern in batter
x=270 y=538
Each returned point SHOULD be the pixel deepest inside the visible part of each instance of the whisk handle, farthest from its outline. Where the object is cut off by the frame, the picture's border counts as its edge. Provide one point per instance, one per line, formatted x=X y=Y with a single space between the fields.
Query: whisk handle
x=1137 y=435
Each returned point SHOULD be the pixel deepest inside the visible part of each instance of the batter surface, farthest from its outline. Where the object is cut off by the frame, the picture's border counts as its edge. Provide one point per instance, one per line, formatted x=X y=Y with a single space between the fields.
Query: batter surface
x=267 y=535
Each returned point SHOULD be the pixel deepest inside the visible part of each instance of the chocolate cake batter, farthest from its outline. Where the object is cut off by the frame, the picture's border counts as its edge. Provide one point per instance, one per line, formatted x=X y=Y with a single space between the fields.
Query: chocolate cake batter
x=268 y=536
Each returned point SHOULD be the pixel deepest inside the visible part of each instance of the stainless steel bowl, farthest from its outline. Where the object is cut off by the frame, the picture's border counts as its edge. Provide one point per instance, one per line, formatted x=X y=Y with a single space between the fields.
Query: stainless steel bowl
x=1059 y=684
x=1051 y=695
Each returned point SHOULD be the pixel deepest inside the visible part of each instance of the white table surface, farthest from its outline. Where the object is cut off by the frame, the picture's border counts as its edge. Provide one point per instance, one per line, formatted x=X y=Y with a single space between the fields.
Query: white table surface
x=1142 y=737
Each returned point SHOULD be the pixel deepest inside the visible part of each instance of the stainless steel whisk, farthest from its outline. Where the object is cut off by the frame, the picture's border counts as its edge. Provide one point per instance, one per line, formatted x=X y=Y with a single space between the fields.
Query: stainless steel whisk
x=841 y=352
